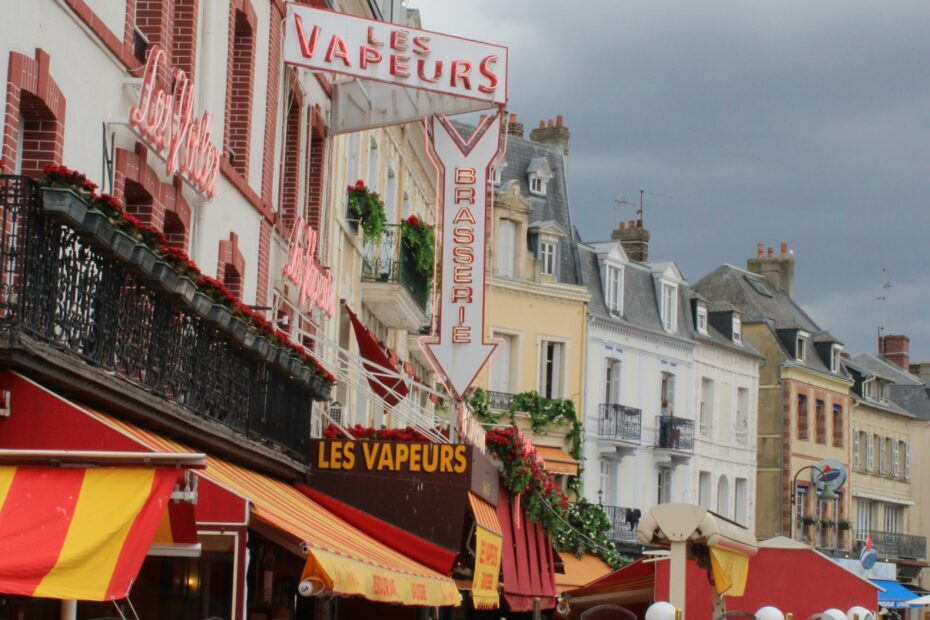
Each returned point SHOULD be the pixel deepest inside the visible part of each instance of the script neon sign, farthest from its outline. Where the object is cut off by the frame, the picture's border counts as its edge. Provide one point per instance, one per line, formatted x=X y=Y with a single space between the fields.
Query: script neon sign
x=314 y=287
x=165 y=123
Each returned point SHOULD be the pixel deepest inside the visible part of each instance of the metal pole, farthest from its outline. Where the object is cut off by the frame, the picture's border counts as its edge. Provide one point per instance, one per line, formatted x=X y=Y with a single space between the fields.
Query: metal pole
x=537 y=608
x=69 y=610
x=677 y=574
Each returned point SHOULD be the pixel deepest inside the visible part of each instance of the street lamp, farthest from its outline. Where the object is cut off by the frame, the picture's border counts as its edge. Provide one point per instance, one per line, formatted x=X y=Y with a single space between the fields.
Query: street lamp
x=827 y=494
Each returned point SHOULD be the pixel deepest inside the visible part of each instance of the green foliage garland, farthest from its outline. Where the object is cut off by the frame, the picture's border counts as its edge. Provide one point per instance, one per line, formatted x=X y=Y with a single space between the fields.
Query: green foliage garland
x=368 y=208
x=419 y=240
x=588 y=530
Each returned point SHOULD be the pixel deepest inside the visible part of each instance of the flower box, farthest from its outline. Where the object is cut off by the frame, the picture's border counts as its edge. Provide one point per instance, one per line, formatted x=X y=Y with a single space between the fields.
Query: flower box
x=184 y=289
x=321 y=387
x=143 y=258
x=201 y=305
x=97 y=226
x=294 y=365
x=63 y=204
x=220 y=316
x=238 y=329
x=305 y=375
x=260 y=346
x=122 y=245
x=249 y=338
x=283 y=359
x=163 y=276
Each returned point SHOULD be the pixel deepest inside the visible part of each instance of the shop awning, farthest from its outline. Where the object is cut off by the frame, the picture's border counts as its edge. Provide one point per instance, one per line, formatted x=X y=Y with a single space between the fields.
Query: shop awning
x=526 y=559
x=489 y=547
x=389 y=387
x=557 y=461
x=579 y=571
x=485 y=514
x=894 y=595
x=78 y=532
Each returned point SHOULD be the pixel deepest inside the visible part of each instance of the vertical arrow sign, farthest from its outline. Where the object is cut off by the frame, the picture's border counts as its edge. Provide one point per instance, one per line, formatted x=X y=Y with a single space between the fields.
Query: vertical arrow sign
x=457 y=345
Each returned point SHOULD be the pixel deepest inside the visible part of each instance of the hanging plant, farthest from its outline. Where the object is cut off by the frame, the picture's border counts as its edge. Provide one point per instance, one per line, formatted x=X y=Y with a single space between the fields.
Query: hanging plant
x=419 y=241
x=367 y=208
x=588 y=529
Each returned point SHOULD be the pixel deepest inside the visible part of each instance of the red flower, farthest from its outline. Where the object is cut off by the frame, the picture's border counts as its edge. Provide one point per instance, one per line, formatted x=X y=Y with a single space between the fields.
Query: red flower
x=360 y=186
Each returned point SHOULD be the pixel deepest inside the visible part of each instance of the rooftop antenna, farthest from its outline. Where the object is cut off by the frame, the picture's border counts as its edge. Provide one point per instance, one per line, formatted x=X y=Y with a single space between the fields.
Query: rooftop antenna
x=643 y=192
x=886 y=286
x=620 y=201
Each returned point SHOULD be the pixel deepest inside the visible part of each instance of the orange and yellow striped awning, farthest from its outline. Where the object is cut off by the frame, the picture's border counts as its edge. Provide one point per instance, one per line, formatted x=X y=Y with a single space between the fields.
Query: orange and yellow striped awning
x=342 y=558
x=485 y=514
x=76 y=532
x=557 y=460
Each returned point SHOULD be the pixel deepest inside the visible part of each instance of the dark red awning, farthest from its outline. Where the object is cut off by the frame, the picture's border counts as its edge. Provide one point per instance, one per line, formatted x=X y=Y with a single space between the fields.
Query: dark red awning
x=389 y=388
x=416 y=548
x=526 y=559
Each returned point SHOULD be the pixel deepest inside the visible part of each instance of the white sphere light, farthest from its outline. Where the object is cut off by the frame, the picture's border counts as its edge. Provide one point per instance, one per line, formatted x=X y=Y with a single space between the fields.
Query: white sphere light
x=769 y=613
x=859 y=613
x=835 y=614
x=660 y=611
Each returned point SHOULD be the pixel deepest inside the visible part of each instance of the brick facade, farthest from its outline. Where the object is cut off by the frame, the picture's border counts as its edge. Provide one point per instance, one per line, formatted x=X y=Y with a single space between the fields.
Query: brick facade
x=264 y=258
x=240 y=81
x=271 y=95
x=290 y=177
x=230 y=269
x=184 y=43
x=316 y=162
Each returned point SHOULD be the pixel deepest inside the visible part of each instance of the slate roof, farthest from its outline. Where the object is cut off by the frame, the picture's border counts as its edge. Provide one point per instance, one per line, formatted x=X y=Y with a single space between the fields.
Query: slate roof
x=761 y=302
x=907 y=392
x=521 y=153
x=881 y=367
x=913 y=398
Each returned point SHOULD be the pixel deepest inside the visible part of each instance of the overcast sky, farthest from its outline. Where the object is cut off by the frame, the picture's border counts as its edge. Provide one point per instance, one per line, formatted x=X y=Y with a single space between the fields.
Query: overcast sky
x=796 y=121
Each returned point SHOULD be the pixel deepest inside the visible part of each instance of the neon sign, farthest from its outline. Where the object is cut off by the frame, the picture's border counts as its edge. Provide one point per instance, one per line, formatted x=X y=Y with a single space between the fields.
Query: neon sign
x=314 y=287
x=165 y=123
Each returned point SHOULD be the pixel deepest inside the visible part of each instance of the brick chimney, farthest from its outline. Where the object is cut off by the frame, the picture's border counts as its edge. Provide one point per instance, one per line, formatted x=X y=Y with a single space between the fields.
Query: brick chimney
x=634 y=239
x=779 y=270
x=513 y=127
x=552 y=132
x=896 y=349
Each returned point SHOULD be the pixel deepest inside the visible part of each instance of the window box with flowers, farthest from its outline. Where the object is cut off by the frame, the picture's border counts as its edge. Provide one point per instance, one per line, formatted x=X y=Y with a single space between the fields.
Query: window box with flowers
x=366 y=208
x=418 y=245
x=66 y=193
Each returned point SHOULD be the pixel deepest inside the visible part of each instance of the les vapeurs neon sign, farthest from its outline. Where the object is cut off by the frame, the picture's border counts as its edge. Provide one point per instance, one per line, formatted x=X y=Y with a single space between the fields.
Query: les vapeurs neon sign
x=314 y=288
x=165 y=123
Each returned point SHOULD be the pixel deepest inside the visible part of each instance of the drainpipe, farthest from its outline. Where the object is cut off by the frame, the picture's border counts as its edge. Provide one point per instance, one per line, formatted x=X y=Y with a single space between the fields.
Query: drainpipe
x=204 y=91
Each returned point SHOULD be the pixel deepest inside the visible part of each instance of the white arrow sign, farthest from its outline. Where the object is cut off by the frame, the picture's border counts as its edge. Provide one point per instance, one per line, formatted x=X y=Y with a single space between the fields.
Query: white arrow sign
x=458 y=345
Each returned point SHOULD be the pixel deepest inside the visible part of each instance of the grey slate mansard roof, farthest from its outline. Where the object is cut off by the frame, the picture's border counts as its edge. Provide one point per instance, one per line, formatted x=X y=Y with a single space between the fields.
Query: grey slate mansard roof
x=760 y=301
x=907 y=391
x=553 y=206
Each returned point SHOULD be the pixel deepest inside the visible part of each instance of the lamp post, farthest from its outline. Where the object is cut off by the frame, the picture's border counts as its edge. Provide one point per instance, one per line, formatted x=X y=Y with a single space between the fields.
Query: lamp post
x=794 y=495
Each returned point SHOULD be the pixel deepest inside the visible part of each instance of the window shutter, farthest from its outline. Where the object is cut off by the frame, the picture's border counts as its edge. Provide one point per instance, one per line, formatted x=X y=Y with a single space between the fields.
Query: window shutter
x=615 y=383
x=881 y=456
x=894 y=459
x=856 y=460
x=869 y=452
x=907 y=461
x=671 y=394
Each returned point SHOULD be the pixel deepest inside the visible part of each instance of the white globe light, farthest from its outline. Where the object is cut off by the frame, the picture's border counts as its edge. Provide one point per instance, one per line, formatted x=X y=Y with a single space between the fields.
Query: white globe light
x=660 y=611
x=859 y=613
x=769 y=613
x=834 y=614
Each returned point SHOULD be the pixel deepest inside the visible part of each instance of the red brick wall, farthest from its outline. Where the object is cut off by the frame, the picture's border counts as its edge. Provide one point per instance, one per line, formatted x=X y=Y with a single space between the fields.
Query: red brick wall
x=184 y=42
x=271 y=106
x=155 y=18
x=290 y=177
x=230 y=269
x=33 y=94
x=240 y=81
x=316 y=160
x=264 y=259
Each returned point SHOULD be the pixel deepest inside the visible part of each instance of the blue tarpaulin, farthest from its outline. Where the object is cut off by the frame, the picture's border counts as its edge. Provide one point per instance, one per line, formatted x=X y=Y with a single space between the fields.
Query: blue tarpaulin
x=895 y=595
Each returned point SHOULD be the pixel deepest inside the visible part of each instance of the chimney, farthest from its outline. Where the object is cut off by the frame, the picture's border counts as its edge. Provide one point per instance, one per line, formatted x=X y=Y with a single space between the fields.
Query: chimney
x=514 y=128
x=634 y=239
x=779 y=270
x=552 y=132
x=896 y=349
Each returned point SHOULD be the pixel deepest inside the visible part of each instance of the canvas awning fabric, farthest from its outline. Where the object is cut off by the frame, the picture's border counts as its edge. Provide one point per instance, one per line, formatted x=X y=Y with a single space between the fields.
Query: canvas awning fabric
x=632 y=584
x=730 y=569
x=526 y=559
x=485 y=514
x=557 y=461
x=391 y=389
x=342 y=558
x=579 y=571
x=489 y=546
x=894 y=595
x=78 y=532
x=177 y=532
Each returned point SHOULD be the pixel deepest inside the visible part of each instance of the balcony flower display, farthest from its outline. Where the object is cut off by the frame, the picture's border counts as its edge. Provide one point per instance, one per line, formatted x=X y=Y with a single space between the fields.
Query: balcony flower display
x=588 y=530
x=367 y=208
x=419 y=242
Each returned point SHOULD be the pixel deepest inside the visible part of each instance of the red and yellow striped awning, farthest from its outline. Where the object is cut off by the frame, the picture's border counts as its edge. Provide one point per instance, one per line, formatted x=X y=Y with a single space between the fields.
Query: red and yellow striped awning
x=342 y=558
x=485 y=514
x=77 y=532
x=557 y=460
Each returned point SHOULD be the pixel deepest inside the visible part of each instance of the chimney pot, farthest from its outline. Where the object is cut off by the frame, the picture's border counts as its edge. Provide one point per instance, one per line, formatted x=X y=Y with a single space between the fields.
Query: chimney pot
x=771 y=252
x=639 y=223
x=542 y=124
x=550 y=123
x=513 y=117
x=558 y=120
x=896 y=349
x=622 y=225
x=760 y=250
x=784 y=249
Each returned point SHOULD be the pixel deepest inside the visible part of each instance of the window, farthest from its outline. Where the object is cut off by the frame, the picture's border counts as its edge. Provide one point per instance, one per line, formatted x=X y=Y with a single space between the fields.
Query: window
x=868 y=389
x=800 y=509
x=802 y=417
x=702 y=319
x=723 y=497
x=737 y=330
x=614 y=290
x=503 y=363
x=870 y=452
x=665 y=486
x=352 y=159
x=800 y=347
x=390 y=197
x=820 y=414
x=667 y=394
x=856 y=456
x=863 y=519
x=889 y=449
x=882 y=391
x=907 y=461
x=506 y=233
x=892 y=518
x=835 y=358
x=838 y=425
x=706 y=416
x=741 y=501
x=742 y=415
x=881 y=455
x=605 y=481
x=704 y=490
x=537 y=185
x=550 y=369
x=373 y=164
x=895 y=465
x=547 y=251
x=612 y=382
x=669 y=308
x=497 y=176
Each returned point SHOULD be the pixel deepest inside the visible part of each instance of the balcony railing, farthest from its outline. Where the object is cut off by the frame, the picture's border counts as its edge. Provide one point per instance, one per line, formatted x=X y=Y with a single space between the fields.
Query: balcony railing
x=620 y=422
x=895 y=545
x=623 y=522
x=388 y=261
x=58 y=289
x=499 y=401
x=674 y=433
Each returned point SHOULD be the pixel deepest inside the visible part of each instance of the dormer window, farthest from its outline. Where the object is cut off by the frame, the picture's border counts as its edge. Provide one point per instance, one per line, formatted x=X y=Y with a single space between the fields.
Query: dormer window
x=737 y=330
x=701 y=319
x=538 y=174
x=669 y=307
x=537 y=186
x=547 y=252
x=800 y=346
x=613 y=289
x=545 y=236
x=496 y=177
x=835 y=351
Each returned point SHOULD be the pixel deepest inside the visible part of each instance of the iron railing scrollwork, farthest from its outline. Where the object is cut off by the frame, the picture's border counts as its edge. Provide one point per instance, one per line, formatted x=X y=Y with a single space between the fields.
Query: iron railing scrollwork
x=897 y=545
x=675 y=433
x=619 y=422
x=389 y=260
x=623 y=522
x=59 y=289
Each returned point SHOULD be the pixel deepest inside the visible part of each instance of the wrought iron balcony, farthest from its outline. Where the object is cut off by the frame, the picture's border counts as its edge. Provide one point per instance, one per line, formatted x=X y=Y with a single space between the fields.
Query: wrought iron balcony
x=499 y=401
x=623 y=522
x=895 y=545
x=674 y=433
x=620 y=422
x=389 y=262
x=80 y=308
